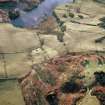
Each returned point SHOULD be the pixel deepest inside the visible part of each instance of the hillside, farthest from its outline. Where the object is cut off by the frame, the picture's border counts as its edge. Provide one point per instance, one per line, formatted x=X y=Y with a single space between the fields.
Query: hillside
x=66 y=46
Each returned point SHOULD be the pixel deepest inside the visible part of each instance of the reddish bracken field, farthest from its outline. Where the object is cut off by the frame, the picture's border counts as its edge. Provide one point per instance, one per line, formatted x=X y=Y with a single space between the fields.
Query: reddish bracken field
x=60 y=81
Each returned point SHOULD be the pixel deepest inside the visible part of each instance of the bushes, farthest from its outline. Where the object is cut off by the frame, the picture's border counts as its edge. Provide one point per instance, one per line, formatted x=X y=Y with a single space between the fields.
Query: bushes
x=69 y=87
x=80 y=16
x=39 y=98
x=72 y=85
x=85 y=63
x=8 y=5
x=102 y=24
x=100 y=78
x=65 y=16
x=13 y=14
x=52 y=99
x=45 y=76
x=60 y=23
x=71 y=15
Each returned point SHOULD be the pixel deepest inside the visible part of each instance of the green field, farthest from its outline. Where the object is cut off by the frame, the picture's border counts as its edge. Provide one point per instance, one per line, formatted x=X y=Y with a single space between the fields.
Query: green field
x=10 y=93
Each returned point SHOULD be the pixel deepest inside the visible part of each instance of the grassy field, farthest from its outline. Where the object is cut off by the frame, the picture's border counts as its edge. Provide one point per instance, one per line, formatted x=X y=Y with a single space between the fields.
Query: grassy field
x=10 y=93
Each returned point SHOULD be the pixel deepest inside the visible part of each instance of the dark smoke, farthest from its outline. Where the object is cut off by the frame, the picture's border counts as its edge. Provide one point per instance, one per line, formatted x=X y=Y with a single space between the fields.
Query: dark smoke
x=34 y=17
